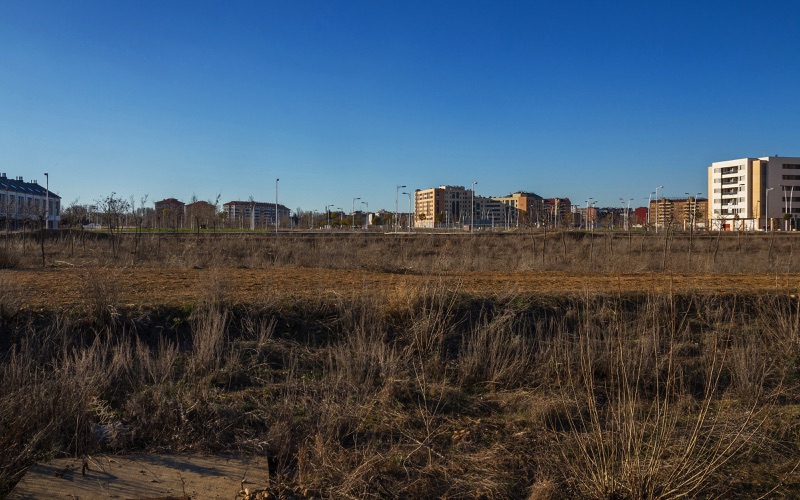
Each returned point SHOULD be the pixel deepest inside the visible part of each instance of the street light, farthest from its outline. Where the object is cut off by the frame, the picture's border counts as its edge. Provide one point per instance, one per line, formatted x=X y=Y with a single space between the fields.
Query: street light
x=396 y=194
x=366 y=214
x=587 y=212
x=766 y=211
x=276 y=206
x=47 y=201
x=472 y=208
x=648 y=208
x=353 y=214
x=410 y=220
x=327 y=209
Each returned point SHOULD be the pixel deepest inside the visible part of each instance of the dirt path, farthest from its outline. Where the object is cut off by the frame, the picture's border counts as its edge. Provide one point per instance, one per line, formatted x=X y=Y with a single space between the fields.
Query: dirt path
x=67 y=287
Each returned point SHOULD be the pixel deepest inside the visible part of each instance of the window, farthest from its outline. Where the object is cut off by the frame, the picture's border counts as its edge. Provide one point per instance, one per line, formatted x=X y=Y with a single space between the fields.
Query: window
x=791 y=166
x=791 y=177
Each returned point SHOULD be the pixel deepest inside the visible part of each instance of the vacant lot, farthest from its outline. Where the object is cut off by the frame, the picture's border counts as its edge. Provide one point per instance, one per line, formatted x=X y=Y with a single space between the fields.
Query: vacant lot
x=523 y=366
x=146 y=286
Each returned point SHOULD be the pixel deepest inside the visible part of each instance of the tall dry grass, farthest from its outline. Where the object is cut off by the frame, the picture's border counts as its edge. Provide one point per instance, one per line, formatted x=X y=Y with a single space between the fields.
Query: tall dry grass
x=427 y=393
x=422 y=253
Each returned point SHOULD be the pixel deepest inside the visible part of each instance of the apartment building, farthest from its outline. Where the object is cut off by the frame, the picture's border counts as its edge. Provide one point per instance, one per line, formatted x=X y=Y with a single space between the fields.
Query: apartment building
x=679 y=213
x=253 y=214
x=201 y=214
x=170 y=213
x=22 y=202
x=525 y=207
x=754 y=193
x=442 y=206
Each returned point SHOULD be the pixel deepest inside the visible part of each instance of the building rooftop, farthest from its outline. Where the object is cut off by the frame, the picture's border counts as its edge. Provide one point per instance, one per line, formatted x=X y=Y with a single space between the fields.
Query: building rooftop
x=18 y=185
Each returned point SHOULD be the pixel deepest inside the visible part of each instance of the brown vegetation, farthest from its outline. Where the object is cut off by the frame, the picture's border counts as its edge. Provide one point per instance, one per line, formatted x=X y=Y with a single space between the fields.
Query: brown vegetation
x=425 y=388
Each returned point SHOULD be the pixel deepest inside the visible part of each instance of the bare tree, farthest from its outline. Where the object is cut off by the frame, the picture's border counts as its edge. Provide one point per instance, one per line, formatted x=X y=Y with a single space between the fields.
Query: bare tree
x=112 y=208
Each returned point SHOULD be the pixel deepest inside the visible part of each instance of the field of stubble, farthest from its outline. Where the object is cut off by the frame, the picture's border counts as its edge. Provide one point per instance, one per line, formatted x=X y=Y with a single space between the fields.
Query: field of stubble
x=526 y=365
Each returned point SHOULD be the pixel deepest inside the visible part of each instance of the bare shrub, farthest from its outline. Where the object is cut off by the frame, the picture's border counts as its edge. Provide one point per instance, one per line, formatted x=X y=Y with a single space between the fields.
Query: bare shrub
x=100 y=296
x=495 y=352
x=9 y=257
x=209 y=337
x=633 y=443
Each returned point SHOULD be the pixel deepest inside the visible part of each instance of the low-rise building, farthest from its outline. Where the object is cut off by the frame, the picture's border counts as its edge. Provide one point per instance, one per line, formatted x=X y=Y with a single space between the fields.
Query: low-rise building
x=254 y=214
x=170 y=213
x=22 y=202
x=201 y=214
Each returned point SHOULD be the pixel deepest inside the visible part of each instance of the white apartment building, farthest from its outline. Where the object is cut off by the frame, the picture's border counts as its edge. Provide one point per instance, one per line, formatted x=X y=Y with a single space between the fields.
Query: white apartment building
x=754 y=193
x=22 y=202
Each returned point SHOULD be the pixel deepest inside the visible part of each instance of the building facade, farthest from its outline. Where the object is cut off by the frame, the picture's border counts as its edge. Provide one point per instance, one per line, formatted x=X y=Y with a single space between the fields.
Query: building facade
x=679 y=213
x=442 y=206
x=754 y=193
x=253 y=214
x=26 y=202
x=170 y=213
x=524 y=207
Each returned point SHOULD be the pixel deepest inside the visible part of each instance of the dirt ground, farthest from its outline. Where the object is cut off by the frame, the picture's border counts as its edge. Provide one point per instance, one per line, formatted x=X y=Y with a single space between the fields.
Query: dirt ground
x=144 y=477
x=69 y=287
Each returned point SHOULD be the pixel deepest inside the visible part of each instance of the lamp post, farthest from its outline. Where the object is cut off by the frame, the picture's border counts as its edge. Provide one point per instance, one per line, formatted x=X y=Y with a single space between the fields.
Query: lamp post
x=366 y=214
x=648 y=208
x=766 y=211
x=587 y=212
x=396 y=194
x=410 y=220
x=276 y=206
x=689 y=201
x=472 y=208
x=353 y=214
x=785 y=207
x=47 y=201
x=328 y=211
x=694 y=212
x=341 y=215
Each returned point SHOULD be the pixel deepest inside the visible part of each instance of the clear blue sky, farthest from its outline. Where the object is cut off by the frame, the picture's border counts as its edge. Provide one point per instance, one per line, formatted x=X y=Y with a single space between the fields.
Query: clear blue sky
x=351 y=98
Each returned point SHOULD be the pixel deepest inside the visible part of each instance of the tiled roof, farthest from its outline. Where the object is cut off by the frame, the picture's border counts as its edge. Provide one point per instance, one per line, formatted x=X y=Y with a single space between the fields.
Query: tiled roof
x=256 y=203
x=20 y=186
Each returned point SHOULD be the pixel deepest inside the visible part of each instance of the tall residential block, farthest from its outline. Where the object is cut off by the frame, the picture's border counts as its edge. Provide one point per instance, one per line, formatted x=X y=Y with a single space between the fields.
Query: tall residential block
x=754 y=193
x=443 y=205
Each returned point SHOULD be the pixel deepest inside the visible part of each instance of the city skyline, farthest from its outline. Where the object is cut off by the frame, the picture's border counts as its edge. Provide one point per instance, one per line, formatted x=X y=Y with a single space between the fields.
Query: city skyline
x=352 y=99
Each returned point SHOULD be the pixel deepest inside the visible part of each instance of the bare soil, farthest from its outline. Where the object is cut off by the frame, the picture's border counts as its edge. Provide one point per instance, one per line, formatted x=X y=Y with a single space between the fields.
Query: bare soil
x=68 y=287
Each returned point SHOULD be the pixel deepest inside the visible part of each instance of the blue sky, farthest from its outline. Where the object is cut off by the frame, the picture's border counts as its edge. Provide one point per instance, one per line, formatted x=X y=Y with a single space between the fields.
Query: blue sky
x=349 y=99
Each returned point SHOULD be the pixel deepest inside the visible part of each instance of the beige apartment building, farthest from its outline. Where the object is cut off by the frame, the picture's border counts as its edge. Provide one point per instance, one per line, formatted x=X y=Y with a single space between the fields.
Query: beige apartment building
x=679 y=213
x=524 y=206
x=754 y=193
x=442 y=206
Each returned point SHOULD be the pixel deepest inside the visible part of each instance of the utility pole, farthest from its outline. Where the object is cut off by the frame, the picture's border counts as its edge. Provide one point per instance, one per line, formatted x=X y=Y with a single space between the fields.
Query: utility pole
x=648 y=208
x=47 y=201
x=472 y=208
x=353 y=214
x=396 y=195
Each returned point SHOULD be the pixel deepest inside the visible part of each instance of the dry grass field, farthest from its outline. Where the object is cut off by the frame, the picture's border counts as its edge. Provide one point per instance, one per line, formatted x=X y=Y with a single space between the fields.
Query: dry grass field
x=526 y=365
